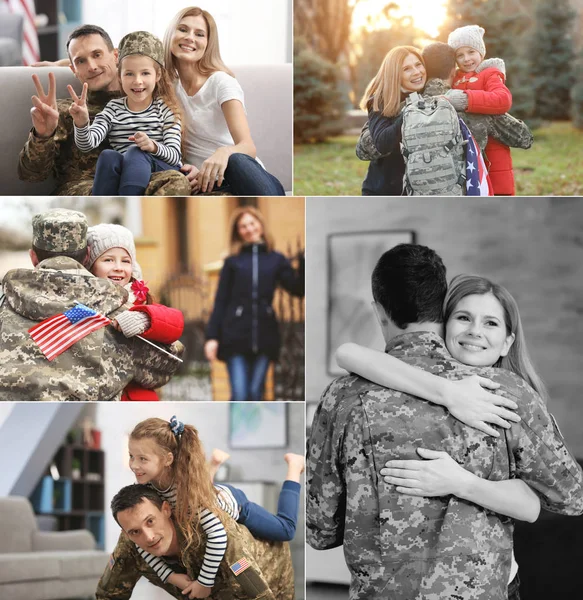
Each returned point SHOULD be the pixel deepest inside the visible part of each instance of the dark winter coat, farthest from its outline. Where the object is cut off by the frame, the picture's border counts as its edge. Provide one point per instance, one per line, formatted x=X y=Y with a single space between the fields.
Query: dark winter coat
x=243 y=320
x=385 y=174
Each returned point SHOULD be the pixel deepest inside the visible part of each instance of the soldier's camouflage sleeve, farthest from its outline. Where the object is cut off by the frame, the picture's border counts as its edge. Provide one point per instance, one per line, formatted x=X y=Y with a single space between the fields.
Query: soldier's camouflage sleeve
x=325 y=488
x=510 y=131
x=541 y=458
x=121 y=574
x=154 y=368
x=37 y=159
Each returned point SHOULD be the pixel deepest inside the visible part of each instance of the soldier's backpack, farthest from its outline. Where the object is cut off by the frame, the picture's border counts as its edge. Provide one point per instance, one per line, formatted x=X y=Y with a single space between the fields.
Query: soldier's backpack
x=432 y=147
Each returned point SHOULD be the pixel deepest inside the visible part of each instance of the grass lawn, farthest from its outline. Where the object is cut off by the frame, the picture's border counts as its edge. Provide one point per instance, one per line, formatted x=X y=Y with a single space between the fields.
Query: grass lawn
x=552 y=167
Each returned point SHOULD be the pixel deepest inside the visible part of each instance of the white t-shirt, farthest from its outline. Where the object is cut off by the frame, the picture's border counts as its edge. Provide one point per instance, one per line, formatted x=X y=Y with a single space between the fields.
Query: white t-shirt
x=206 y=128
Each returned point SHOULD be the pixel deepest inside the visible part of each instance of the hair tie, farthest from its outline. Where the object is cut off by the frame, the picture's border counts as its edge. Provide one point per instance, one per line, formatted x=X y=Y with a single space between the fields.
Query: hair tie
x=176 y=426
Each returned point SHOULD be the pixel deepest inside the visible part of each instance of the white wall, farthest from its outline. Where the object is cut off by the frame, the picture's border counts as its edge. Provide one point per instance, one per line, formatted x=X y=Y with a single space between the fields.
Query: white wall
x=250 y=31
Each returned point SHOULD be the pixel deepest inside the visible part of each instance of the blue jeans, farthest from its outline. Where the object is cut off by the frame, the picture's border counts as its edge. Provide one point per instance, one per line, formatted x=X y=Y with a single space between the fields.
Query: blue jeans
x=261 y=523
x=247 y=375
x=126 y=174
x=244 y=176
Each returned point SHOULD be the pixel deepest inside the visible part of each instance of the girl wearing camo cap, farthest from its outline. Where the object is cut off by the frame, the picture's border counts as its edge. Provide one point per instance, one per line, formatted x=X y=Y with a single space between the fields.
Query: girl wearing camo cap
x=112 y=255
x=143 y=127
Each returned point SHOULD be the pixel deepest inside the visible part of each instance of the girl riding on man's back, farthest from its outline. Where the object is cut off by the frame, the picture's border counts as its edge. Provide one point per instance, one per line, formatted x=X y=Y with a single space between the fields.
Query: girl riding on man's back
x=143 y=127
x=169 y=457
x=482 y=90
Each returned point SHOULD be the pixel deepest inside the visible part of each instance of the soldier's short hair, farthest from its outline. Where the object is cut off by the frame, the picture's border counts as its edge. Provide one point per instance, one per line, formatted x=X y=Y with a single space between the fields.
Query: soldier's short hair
x=132 y=495
x=439 y=60
x=84 y=30
x=79 y=255
x=409 y=282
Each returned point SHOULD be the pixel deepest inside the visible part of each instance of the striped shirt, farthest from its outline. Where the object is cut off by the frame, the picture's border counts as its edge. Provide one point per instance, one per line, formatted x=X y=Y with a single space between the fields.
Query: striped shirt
x=215 y=533
x=117 y=122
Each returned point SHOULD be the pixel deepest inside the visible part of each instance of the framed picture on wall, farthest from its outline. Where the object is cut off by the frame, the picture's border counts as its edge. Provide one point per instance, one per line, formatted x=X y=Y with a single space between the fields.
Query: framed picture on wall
x=351 y=260
x=257 y=425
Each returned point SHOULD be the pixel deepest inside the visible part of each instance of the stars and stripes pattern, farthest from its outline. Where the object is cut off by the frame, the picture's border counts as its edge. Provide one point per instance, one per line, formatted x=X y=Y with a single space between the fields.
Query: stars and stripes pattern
x=477 y=182
x=239 y=566
x=58 y=333
x=30 y=48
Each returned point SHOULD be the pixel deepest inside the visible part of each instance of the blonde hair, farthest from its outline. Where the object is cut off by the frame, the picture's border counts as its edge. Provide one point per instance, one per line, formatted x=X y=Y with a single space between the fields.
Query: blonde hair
x=211 y=60
x=235 y=241
x=163 y=89
x=384 y=90
x=194 y=488
x=518 y=359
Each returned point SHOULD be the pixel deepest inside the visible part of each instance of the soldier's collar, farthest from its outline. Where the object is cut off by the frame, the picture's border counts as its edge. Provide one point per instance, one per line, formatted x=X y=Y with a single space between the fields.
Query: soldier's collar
x=417 y=338
x=102 y=97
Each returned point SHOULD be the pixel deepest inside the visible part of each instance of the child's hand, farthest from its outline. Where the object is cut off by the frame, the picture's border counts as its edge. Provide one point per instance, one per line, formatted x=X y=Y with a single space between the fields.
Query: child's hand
x=143 y=142
x=78 y=109
x=196 y=590
x=180 y=580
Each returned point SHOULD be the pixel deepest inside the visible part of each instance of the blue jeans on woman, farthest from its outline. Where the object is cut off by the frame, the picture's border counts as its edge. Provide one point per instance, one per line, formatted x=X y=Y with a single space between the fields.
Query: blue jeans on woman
x=247 y=375
x=261 y=523
x=126 y=174
x=244 y=176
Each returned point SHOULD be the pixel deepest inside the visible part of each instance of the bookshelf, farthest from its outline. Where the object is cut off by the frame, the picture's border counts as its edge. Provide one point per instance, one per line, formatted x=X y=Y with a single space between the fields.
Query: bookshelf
x=64 y=16
x=75 y=499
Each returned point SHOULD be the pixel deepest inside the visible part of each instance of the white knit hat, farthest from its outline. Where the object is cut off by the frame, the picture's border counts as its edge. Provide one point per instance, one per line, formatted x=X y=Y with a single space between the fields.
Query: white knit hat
x=105 y=236
x=470 y=35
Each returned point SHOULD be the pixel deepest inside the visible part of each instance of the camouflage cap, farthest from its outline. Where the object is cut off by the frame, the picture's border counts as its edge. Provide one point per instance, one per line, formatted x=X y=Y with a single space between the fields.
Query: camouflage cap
x=59 y=230
x=142 y=42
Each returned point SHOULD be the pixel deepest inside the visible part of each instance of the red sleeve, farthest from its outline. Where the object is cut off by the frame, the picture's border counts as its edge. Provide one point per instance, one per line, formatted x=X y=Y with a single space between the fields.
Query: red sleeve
x=166 y=324
x=494 y=98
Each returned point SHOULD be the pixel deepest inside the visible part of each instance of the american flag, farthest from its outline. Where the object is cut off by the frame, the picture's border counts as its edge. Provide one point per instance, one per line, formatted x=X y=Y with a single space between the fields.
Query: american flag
x=477 y=182
x=30 y=48
x=55 y=334
x=239 y=566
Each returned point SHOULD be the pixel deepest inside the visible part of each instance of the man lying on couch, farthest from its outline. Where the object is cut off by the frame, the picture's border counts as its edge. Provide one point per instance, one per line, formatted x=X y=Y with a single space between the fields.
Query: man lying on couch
x=50 y=148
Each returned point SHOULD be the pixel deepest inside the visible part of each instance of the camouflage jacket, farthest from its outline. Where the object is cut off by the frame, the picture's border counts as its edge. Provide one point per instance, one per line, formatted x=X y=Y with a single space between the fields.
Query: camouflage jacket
x=74 y=170
x=505 y=128
x=97 y=367
x=412 y=548
x=269 y=575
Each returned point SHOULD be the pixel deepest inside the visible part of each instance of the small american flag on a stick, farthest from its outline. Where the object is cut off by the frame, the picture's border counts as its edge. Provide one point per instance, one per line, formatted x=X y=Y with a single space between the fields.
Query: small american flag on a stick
x=239 y=566
x=58 y=333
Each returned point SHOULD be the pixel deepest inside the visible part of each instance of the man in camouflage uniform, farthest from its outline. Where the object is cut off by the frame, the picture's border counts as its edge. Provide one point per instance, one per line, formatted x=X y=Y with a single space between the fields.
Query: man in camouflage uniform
x=406 y=547
x=440 y=67
x=51 y=149
x=97 y=367
x=269 y=575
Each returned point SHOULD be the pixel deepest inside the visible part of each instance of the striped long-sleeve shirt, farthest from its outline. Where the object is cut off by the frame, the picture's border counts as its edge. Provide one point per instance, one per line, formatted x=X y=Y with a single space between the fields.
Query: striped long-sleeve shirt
x=215 y=533
x=117 y=122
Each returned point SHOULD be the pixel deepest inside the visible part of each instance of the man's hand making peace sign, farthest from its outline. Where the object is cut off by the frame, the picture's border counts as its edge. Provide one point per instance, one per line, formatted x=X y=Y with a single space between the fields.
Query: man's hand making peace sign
x=78 y=110
x=44 y=113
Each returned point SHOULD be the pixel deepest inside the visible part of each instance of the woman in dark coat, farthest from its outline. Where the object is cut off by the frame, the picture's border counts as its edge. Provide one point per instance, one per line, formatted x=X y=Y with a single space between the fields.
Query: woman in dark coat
x=243 y=330
x=402 y=72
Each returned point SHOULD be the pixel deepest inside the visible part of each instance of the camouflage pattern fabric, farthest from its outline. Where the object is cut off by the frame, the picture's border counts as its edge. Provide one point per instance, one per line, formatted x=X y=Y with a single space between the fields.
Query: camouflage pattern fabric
x=505 y=128
x=142 y=42
x=59 y=230
x=269 y=576
x=74 y=170
x=412 y=548
x=98 y=367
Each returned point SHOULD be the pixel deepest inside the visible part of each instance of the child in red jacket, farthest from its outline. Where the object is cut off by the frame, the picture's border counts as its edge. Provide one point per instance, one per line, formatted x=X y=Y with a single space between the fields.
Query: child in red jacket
x=112 y=255
x=482 y=89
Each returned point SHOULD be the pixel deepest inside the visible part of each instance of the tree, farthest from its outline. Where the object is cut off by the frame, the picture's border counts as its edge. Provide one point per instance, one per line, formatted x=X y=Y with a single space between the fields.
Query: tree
x=507 y=23
x=577 y=95
x=318 y=104
x=325 y=25
x=553 y=58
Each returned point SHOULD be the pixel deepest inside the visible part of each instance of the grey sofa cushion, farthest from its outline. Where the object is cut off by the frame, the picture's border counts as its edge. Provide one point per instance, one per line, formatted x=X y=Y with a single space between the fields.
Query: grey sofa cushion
x=10 y=54
x=63 y=540
x=17 y=525
x=78 y=565
x=20 y=566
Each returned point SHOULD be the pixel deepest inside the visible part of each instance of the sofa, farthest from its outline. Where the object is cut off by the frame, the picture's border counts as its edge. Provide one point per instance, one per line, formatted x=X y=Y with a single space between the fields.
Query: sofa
x=268 y=99
x=44 y=565
x=10 y=39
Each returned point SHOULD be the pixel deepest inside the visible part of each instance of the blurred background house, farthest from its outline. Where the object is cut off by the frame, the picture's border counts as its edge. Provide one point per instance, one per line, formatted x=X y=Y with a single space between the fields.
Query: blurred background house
x=181 y=243
x=339 y=47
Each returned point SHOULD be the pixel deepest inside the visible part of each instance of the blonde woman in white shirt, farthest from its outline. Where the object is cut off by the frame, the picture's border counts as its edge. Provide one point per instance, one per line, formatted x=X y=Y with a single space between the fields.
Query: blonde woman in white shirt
x=218 y=146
